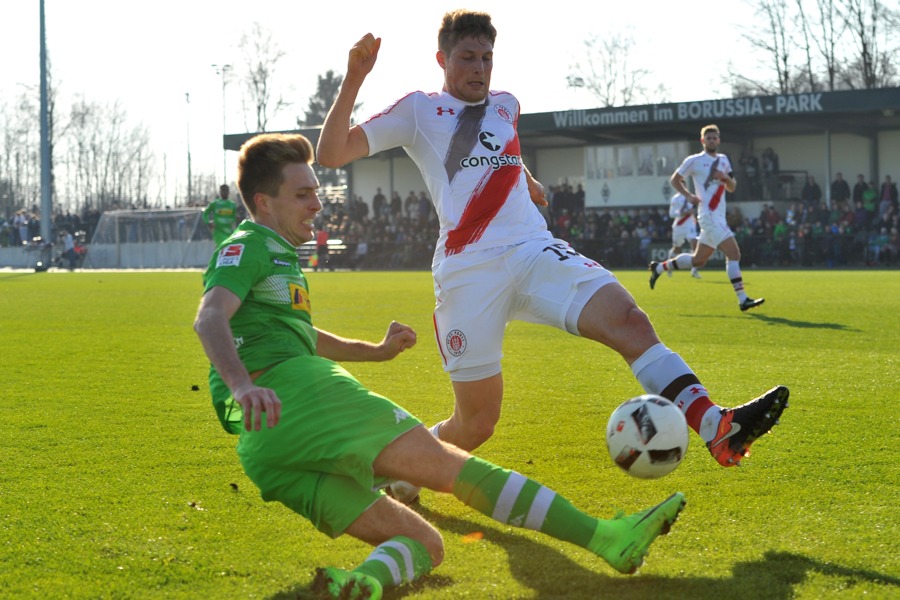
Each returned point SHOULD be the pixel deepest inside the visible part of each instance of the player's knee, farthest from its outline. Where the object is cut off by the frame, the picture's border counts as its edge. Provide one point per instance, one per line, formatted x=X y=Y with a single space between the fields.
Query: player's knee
x=637 y=333
x=479 y=429
x=434 y=544
x=637 y=323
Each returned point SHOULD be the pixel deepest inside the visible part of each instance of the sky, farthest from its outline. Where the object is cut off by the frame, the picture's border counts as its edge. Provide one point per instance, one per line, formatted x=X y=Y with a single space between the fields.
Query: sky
x=148 y=55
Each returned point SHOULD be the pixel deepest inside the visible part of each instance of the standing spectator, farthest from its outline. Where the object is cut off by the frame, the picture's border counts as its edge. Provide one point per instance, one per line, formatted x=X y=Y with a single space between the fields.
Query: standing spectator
x=578 y=201
x=750 y=165
x=396 y=204
x=20 y=226
x=840 y=189
x=321 y=248
x=771 y=169
x=811 y=193
x=884 y=199
x=889 y=192
x=870 y=201
x=860 y=188
x=860 y=216
x=378 y=202
x=221 y=215
x=424 y=209
x=410 y=205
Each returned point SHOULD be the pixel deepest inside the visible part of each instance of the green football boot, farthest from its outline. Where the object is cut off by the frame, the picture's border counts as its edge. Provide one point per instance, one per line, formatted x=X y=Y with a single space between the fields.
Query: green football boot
x=346 y=585
x=624 y=541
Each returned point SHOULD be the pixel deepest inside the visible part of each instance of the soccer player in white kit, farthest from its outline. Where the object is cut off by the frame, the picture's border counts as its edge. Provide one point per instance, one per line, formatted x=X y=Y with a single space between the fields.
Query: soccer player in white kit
x=495 y=260
x=712 y=175
x=684 y=228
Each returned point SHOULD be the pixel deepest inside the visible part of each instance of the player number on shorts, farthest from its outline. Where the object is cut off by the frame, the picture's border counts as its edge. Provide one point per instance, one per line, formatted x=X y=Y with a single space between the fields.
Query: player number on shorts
x=563 y=251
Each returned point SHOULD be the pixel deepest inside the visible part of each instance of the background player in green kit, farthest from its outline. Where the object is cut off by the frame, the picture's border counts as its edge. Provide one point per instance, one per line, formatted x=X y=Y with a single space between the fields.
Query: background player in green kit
x=313 y=438
x=220 y=215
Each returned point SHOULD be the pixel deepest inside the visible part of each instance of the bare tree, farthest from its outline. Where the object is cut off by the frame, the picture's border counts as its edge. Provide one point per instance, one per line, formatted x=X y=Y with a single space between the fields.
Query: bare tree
x=20 y=159
x=844 y=44
x=107 y=160
x=772 y=39
x=261 y=55
x=829 y=29
x=607 y=73
x=873 y=27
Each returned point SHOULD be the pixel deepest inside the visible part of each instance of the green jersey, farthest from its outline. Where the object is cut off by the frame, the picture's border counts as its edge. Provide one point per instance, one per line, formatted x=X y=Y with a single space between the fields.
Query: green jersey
x=222 y=213
x=274 y=322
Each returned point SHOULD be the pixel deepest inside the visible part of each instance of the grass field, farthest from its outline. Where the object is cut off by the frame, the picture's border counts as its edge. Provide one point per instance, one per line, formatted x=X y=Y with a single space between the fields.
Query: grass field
x=116 y=480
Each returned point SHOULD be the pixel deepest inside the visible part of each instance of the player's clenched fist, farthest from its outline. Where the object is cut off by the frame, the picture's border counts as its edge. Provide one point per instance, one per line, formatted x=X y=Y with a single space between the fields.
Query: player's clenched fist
x=363 y=55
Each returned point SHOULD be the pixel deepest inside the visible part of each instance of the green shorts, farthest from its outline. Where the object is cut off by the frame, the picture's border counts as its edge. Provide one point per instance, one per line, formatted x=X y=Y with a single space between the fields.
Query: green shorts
x=318 y=460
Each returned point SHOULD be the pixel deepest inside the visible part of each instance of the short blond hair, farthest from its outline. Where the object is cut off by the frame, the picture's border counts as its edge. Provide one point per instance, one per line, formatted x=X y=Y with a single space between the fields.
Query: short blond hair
x=262 y=161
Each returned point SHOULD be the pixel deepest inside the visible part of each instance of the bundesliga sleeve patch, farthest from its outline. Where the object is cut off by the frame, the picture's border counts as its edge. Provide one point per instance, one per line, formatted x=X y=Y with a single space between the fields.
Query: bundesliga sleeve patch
x=230 y=256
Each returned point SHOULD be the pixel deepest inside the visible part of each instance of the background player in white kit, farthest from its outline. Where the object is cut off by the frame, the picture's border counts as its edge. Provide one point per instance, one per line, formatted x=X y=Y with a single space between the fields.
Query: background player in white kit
x=712 y=175
x=684 y=229
x=495 y=260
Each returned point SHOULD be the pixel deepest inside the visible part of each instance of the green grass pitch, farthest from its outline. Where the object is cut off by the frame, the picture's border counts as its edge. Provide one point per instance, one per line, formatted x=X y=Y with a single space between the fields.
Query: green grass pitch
x=116 y=480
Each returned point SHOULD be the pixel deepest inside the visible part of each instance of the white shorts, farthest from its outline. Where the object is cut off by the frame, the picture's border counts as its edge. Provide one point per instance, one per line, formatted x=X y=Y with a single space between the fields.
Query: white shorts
x=713 y=232
x=540 y=281
x=684 y=233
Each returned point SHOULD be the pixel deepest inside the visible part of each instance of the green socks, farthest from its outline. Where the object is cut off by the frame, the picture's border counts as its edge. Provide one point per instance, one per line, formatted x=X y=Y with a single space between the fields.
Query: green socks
x=398 y=560
x=513 y=499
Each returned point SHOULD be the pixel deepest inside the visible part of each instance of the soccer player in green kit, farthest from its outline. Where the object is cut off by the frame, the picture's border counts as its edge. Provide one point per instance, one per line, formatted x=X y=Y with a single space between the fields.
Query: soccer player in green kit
x=220 y=215
x=313 y=438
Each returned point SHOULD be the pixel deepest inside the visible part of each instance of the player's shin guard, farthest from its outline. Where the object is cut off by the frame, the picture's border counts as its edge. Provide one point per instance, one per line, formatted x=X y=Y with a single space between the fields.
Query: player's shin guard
x=398 y=560
x=513 y=499
x=661 y=371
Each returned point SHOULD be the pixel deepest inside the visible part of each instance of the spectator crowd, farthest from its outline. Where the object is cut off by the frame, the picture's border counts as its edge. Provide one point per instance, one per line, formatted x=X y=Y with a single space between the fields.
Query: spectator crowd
x=859 y=226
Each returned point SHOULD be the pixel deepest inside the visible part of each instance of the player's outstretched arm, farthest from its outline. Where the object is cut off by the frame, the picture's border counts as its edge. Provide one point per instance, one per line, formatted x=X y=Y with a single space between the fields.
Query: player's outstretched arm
x=338 y=143
x=213 y=329
x=398 y=338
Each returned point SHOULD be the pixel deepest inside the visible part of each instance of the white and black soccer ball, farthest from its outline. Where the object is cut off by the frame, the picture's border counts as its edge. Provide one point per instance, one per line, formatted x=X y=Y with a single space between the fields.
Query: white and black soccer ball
x=647 y=436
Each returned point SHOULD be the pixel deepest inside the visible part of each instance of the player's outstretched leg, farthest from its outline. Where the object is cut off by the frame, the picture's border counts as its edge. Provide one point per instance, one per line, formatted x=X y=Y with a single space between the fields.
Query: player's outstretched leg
x=743 y=425
x=624 y=541
x=513 y=499
x=332 y=582
x=405 y=492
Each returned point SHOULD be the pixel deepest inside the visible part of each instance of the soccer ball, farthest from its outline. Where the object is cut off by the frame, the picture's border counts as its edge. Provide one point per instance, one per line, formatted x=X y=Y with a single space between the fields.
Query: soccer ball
x=647 y=436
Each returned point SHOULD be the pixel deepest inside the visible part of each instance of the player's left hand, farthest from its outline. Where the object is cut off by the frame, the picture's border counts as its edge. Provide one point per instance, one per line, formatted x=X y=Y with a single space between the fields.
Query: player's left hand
x=398 y=338
x=536 y=191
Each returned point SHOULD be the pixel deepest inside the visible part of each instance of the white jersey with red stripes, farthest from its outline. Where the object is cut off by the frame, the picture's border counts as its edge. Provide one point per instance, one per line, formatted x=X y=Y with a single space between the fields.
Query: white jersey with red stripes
x=470 y=159
x=711 y=191
x=677 y=207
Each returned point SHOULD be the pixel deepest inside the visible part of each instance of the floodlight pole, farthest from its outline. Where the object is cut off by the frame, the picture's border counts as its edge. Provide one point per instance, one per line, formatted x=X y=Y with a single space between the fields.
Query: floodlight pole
x=187 y=99
x=46 y=190
x=223 y=71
